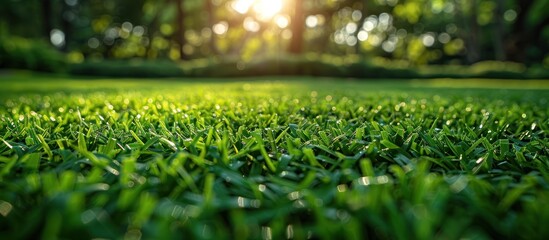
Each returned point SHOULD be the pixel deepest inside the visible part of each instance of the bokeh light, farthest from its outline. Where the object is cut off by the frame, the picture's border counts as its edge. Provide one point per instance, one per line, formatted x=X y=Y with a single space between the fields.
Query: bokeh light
x=282 y=21
x=428 y=39
x=57 y=38
x=264 y=10
x=221 y=28
x=251 y=25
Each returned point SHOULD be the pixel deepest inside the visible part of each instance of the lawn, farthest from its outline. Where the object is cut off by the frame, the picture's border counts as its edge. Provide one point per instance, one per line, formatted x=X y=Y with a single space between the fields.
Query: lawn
x=273 y=158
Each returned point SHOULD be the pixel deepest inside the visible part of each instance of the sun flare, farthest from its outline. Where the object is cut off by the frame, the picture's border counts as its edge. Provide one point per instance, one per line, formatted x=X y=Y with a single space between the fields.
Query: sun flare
x=266 y=9
x=263 y=9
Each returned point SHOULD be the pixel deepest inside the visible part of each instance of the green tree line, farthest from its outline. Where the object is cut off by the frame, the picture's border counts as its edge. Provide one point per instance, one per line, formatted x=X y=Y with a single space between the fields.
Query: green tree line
x=415 y=31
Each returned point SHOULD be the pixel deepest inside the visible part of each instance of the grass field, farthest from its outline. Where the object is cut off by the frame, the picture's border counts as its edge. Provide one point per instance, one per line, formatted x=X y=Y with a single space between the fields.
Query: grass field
x=273 y=159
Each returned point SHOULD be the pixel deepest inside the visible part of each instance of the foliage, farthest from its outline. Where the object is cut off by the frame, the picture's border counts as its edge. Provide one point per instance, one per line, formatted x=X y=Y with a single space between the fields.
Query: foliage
x=30 y=54
x=309 y=65
x=127 y=69
x=417 y=31
x=276 y=159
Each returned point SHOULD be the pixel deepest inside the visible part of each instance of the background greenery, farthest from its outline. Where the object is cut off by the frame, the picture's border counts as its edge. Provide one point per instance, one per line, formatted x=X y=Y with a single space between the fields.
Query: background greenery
x=233 y=35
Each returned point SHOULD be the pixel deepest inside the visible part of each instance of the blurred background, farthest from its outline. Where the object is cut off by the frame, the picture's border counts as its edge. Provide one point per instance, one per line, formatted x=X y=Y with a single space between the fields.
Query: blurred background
x=350 y=38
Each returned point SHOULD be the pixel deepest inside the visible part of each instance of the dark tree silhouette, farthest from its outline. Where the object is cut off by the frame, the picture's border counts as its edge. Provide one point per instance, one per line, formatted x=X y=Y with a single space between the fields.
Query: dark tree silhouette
x=297 y=27
x=180 y=25
x=525 y=34
x=498 y=31
x=66 y=24
x=46 y=18
x=211 y=21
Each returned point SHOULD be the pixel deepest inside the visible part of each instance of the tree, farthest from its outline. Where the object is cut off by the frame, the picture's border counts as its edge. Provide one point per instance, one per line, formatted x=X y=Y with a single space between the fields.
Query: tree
x=474 y=34
x=527 y=29
x=66 y=24
x=470 y=30
x=297 y=27
x=498 y=31
x=209 y=8
x=46 y=18
x=180 y=26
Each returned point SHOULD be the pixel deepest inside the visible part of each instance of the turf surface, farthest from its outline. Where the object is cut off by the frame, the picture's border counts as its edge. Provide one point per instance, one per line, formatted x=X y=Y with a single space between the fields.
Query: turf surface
x=273 y=159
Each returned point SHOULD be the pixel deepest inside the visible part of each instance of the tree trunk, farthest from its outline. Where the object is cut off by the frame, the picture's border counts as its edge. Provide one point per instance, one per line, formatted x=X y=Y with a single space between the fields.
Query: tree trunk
x=180 y=25
x=66 y=25
x=153 y=28
x=499 y=28
x=46 y=18
x=473 y=37
x=298 y=27
x=211 y=21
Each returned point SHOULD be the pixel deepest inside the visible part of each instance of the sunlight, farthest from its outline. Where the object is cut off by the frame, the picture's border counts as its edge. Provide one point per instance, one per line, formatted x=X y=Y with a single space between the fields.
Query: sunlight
x=242 y=6
x=263 y=9
x=266 y=9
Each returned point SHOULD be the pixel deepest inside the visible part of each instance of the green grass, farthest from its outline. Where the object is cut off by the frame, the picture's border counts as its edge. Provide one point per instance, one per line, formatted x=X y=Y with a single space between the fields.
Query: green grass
x=273 y=159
